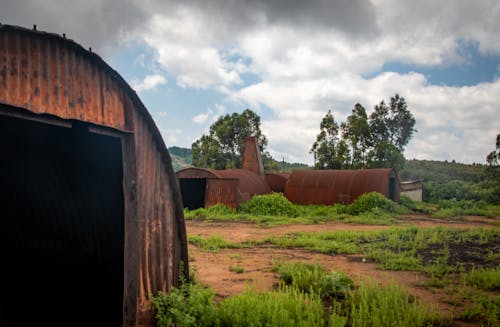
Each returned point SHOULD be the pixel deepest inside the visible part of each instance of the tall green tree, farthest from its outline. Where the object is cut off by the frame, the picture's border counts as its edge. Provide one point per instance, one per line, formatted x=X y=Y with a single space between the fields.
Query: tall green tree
x=222 y=148
x=493 y=158
x=356 y=133
x=373 y=142
x=391 y=128
x=329 y=151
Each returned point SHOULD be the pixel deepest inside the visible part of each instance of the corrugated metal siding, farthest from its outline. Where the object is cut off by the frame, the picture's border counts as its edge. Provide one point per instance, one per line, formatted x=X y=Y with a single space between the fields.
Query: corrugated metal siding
x=249 y=183
x=44 y=73
x=337 y=186
x=159 y=243
x=47 y=74
x=222 y=191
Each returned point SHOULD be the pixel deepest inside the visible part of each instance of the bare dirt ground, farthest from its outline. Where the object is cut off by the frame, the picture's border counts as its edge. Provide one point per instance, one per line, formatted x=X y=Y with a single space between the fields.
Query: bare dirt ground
x=214 y=269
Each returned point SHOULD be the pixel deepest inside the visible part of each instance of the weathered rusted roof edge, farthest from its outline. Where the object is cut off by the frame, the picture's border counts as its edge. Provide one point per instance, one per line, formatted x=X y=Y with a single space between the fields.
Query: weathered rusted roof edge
x=113 y=74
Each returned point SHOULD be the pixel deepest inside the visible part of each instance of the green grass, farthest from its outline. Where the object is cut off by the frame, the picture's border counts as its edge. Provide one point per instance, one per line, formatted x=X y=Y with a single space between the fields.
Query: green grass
x=213 y=243
x=370 y=209
x=487 y=279
x=376 y=305
x=485 y=310
x=236 y=269
x=274 y=209
x=436 y=250
x=284 y=307
x=366 y=305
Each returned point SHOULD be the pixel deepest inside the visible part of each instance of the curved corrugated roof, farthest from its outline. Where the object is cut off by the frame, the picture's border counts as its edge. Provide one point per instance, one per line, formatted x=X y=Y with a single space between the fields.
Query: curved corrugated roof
x=48 y=76
x=336 y=186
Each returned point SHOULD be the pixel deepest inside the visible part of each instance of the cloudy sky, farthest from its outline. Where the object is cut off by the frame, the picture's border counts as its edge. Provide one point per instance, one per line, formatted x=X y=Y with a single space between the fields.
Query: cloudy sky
x=293 y=60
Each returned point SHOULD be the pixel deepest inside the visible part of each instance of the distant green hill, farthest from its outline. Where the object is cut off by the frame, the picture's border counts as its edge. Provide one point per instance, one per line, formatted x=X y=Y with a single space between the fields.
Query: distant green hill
x=449 y=180
x=181 y=157
x=441 y=171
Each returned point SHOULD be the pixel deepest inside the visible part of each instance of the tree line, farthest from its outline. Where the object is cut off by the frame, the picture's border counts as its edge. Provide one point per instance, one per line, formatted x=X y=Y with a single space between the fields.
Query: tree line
x=360 y=142
x=377 y=141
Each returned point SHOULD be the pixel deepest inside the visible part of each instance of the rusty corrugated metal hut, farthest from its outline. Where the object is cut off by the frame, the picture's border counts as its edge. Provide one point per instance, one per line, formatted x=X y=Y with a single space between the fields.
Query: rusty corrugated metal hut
x=201 y=187
x=92 y=220
x=340 y=186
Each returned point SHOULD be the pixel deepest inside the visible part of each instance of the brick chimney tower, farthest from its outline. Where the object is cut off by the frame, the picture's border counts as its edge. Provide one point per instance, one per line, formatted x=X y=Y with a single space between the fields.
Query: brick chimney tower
x=252 y=160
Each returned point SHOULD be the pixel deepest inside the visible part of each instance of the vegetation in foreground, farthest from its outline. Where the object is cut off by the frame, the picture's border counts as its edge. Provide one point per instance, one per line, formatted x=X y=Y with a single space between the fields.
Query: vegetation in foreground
x=463 y=262
x=332 y=300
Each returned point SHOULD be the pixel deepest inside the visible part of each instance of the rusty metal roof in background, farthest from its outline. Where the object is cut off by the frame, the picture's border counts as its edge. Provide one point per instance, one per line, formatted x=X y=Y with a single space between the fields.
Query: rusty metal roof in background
x=334 y=186
x=249 y=182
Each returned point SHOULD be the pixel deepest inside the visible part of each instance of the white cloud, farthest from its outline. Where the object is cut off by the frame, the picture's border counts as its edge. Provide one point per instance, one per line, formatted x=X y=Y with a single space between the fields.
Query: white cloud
x=203 y=117
x=150 y=82
x=453 y=122
x=210 y=115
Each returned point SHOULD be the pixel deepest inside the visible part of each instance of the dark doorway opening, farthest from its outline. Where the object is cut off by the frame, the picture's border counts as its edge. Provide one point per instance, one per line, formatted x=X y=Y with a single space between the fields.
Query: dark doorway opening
x=392 y=188
x=62 y=226
x=193 y=192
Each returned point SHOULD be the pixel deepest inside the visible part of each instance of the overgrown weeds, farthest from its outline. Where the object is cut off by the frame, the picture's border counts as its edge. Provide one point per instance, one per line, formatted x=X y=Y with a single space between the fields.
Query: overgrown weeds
x=332 y=301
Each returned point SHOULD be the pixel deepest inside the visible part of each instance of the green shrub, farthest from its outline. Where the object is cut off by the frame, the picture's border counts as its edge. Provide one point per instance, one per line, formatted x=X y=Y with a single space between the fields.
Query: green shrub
x=218 y=210
x=189 y=305
x=312 y=278
x=369 y=201
x=305 y=277
x=274 y=204
x=336 y=284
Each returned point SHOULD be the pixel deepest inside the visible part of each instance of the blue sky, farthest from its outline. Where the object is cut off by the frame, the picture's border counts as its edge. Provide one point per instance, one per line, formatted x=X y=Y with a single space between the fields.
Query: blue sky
x=292 y=61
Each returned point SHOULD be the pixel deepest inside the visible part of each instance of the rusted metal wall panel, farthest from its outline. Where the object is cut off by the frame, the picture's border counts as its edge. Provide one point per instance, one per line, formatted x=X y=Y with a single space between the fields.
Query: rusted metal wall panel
x=45 y=73
x=161 y=232
x=276 y=181
x=222 y=191
x=337 y=186
x=250 y=184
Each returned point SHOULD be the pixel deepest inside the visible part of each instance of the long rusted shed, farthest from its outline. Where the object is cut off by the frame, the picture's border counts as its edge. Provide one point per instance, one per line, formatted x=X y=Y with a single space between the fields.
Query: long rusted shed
x=48 y=80
x=340 y=186
x=203 y=187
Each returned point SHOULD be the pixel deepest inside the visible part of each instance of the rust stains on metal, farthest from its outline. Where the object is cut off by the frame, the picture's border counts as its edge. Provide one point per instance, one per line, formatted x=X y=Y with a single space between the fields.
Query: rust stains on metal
x=229 y=187
x=340 y=186
x=252 y=160
x=46 y=77
x=201 y=187
x=277 y=181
